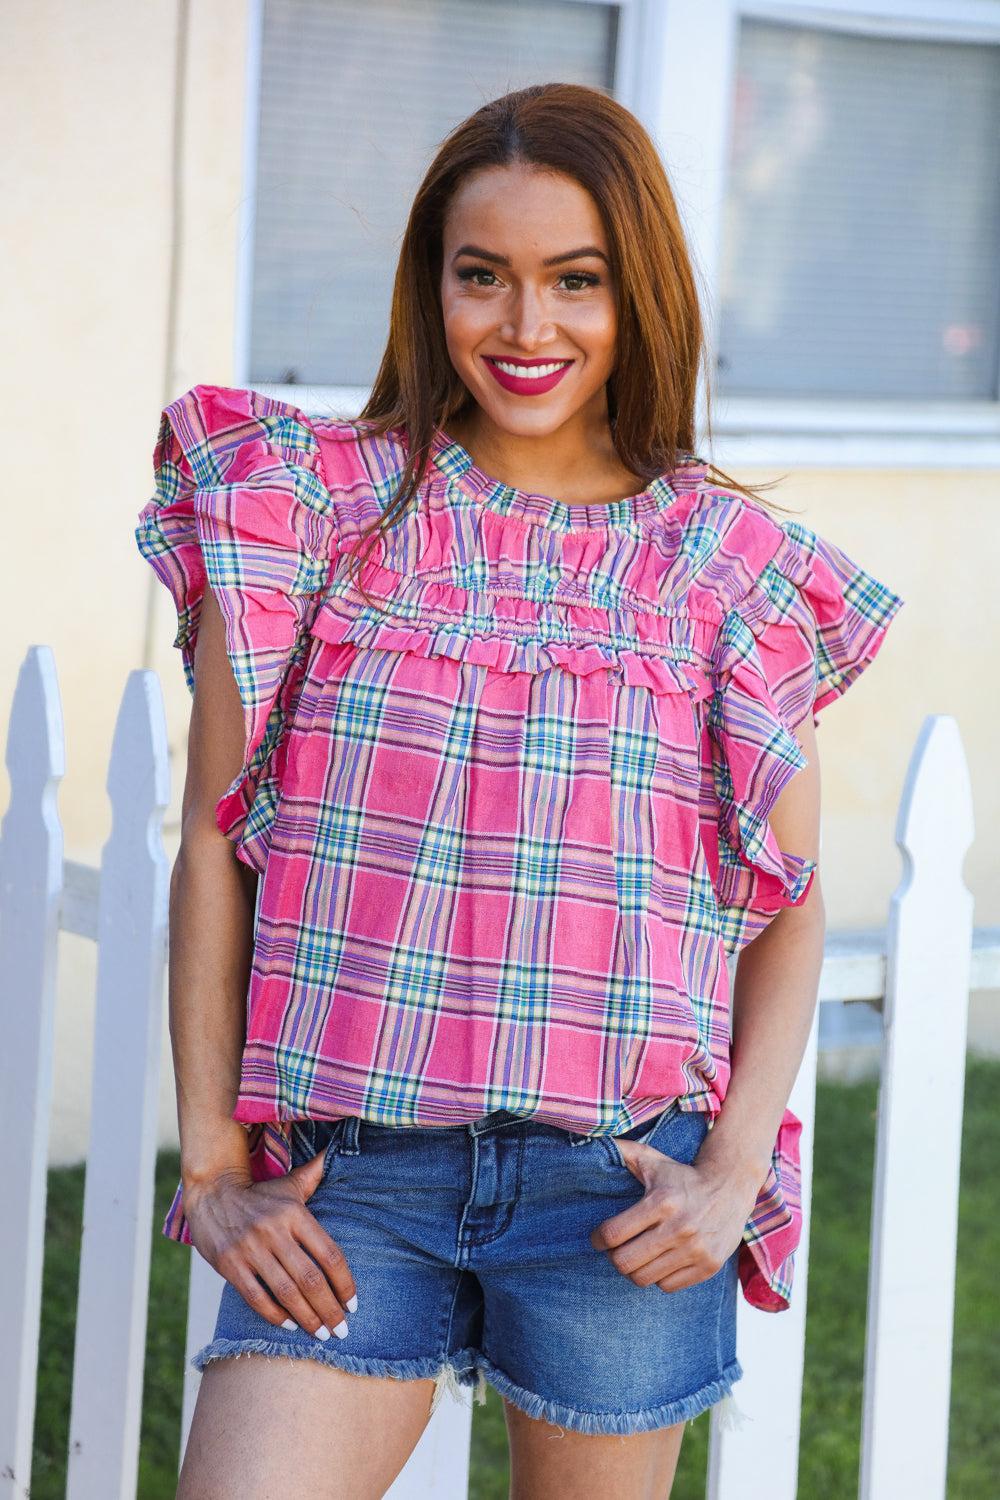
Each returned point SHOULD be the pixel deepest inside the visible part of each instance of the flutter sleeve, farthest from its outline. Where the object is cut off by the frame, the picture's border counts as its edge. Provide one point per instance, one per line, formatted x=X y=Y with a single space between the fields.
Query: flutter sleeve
x=809 y=624
x=242 y=507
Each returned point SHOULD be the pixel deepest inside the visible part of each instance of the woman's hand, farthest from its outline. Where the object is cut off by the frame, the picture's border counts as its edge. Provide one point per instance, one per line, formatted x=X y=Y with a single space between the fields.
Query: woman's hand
x=683 y=1229
x=254 y=1232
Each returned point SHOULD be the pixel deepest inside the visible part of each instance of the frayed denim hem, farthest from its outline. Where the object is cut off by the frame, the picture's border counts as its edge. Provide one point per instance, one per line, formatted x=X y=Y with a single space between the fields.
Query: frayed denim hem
x=615 y=1424
x=469 y=1368
x=460 y=1369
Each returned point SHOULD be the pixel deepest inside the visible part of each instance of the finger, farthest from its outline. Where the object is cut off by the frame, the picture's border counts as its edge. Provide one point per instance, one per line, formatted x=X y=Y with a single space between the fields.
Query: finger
x=683 y=1277
x=332 y=1261
x=651 y=1209
x=296 y=1282
x=671 y=1264
x=309 y=1175
x=254 y=1294
x=631 y=1257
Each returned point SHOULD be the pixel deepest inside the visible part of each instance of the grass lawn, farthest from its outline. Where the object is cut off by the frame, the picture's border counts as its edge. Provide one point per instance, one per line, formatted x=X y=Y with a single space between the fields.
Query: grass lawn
x=831 y=1416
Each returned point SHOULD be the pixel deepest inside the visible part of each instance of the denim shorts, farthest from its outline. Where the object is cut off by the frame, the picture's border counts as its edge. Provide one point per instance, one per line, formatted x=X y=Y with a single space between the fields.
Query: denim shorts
x=470 y=1250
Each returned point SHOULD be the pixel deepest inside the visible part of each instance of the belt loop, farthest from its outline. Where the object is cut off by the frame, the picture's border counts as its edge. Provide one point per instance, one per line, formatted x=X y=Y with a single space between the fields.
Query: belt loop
x=350 y=1136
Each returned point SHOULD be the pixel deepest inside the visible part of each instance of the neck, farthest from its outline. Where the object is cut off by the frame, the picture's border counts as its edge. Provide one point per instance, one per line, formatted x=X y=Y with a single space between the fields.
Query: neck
x=577 y=464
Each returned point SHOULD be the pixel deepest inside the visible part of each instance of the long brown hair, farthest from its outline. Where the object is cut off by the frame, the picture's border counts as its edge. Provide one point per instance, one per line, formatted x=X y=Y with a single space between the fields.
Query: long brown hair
x=583 y=134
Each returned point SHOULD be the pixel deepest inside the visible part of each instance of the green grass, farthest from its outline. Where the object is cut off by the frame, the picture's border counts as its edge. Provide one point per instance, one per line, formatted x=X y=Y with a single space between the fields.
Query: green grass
x=831 y=1406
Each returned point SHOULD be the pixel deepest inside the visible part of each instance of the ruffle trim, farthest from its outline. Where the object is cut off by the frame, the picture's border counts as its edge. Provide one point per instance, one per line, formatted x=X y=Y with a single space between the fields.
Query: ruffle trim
x=806 y=628
x=516 y=635
x=818 y=620
x=767 y=1253
x=754 y=756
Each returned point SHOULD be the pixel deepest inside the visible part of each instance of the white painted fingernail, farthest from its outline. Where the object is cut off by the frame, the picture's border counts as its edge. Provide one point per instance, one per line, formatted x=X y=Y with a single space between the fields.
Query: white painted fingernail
x=352 y=1303
x=289 y=1325
x=322 y=1333
x=341 y=1330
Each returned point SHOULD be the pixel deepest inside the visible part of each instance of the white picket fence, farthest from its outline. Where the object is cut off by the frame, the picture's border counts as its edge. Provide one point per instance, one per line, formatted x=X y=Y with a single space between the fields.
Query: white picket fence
x=921 y=968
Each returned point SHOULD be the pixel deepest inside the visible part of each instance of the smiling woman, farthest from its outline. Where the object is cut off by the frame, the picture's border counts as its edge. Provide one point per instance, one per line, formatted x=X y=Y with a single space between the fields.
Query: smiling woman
x=507 y=702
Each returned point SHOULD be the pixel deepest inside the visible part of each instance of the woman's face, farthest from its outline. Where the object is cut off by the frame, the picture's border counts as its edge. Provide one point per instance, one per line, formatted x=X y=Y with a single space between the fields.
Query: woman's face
x=528 y=299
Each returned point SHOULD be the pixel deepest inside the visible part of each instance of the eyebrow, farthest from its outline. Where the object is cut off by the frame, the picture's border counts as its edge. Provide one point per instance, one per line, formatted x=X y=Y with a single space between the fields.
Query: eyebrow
x=585 y=252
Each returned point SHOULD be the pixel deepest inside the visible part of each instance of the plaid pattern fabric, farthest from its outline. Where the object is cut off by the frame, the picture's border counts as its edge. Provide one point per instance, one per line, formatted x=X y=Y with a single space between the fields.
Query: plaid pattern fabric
x=509 y=788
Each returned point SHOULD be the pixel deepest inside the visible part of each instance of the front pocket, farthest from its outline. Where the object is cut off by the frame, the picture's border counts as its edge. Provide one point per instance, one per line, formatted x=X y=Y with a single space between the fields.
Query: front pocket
x=610 y=1145
x=645 y=1134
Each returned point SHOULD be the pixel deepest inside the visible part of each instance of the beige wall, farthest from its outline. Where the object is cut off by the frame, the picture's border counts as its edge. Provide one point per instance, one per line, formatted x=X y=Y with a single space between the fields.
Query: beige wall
x=86 y=121
x=85 y=96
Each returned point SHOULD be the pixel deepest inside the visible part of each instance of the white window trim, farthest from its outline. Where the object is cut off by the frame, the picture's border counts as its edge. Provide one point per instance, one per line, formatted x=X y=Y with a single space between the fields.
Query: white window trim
x=674 y=68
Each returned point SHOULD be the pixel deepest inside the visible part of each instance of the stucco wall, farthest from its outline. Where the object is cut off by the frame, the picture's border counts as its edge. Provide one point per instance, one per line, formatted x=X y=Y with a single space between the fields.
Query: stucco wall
x=85 y=118
x=87 y=126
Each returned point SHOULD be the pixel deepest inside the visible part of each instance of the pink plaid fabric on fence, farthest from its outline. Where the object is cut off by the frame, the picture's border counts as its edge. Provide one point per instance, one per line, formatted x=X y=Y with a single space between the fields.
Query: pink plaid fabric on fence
x=508 y=789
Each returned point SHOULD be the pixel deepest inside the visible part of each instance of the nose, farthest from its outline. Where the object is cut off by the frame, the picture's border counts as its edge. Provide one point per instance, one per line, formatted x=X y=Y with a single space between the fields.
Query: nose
x=527 y=324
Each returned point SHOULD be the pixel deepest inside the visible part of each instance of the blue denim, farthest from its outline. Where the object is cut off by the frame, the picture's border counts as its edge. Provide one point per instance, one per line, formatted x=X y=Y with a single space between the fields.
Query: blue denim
x=471 y=1254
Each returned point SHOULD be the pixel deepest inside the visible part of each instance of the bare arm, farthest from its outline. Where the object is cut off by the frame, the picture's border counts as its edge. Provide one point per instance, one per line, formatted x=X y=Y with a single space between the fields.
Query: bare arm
x=691 y=1219
x=246 y=1230
x=211 y=927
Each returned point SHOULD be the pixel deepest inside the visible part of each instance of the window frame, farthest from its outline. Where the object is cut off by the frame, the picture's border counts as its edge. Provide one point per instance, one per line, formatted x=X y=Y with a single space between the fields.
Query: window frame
x=700 y=37
x=675 y=64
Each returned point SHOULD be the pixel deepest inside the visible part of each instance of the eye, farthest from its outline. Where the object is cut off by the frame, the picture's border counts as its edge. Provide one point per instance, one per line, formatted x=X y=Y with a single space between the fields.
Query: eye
x=477 y=275
x=578 y=281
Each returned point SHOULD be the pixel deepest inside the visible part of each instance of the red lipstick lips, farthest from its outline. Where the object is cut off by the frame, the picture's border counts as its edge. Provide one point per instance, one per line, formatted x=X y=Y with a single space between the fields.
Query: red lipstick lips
x=506 y=372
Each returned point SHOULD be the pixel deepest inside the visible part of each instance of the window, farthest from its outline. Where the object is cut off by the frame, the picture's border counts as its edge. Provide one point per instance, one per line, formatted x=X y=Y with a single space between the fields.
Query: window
x=861 y=239
x=835 y=162
x=354 y=98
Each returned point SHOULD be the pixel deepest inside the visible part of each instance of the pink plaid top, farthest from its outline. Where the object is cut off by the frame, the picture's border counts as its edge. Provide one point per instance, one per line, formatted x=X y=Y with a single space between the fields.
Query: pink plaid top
x=509 y=791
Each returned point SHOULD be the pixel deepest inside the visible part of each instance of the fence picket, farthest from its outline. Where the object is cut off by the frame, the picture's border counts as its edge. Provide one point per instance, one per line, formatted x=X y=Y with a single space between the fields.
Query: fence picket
x=118 y=1201
x=758 y=1459
x=31 y=859
x=915 y=1210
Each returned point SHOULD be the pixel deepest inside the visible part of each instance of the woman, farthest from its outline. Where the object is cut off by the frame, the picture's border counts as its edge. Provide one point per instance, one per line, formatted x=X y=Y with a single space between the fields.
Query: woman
x=509 y=704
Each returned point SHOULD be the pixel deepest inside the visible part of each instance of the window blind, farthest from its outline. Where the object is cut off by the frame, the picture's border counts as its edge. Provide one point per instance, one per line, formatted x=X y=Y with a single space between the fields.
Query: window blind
x=354 y=100
x=861 y=251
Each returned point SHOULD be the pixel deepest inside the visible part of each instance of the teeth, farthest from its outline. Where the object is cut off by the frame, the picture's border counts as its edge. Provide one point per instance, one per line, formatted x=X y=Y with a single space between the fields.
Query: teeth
x=529 y=372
